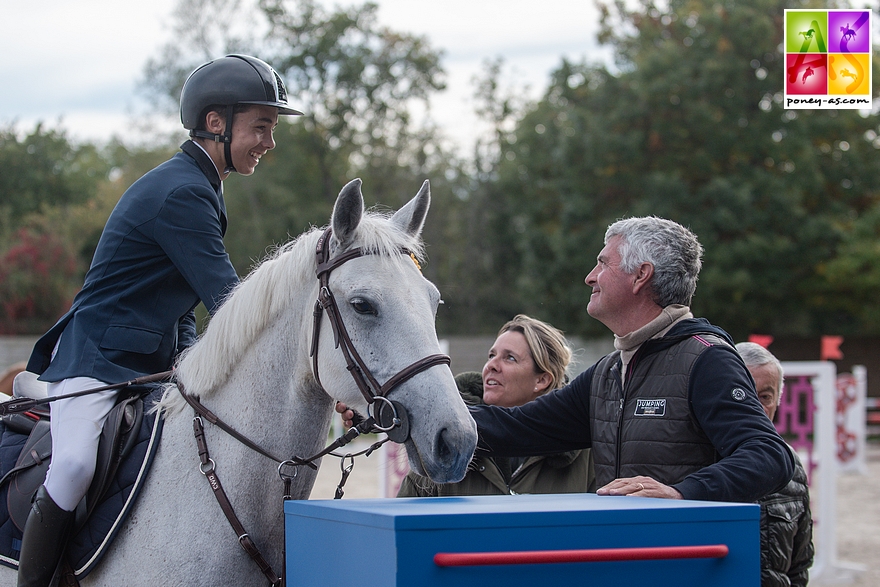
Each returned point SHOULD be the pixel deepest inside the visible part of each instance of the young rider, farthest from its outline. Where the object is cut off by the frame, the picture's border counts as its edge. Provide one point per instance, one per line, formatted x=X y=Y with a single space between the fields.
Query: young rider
x=160 y=254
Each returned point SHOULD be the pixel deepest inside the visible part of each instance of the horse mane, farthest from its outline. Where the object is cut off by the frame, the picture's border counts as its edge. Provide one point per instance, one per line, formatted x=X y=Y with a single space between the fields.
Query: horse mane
x=268 y=291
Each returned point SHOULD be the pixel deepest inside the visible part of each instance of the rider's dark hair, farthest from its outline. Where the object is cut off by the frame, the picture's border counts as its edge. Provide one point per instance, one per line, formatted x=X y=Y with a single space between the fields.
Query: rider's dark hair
x=221 y=110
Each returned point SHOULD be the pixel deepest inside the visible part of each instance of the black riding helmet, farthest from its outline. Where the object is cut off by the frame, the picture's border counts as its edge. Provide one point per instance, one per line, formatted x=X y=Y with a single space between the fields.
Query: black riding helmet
x=229 y=81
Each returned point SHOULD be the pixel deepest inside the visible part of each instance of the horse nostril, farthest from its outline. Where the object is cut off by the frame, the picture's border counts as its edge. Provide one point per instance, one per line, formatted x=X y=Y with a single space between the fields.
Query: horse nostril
x=442 y=448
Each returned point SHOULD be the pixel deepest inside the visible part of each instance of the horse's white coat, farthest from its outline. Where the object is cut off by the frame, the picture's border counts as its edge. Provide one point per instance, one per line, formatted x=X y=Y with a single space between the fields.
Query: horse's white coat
x=252 y=368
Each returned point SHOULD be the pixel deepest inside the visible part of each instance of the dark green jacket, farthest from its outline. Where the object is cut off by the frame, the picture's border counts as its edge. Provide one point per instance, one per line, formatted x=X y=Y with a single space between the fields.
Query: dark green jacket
x=568 y=472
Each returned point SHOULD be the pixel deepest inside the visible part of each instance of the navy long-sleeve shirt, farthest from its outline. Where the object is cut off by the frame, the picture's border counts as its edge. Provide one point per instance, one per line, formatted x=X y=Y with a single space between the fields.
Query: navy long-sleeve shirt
x=753 y=459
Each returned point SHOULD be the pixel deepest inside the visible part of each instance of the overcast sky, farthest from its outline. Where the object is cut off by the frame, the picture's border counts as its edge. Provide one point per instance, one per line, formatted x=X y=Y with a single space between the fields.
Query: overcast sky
x=78 y=63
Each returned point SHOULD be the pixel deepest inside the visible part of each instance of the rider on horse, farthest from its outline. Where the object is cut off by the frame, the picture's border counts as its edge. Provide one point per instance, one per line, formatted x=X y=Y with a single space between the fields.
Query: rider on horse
x=160 y=254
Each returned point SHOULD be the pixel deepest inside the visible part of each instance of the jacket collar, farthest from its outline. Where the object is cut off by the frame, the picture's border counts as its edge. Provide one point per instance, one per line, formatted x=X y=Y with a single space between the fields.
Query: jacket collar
x=205 y=164
x=686 y=329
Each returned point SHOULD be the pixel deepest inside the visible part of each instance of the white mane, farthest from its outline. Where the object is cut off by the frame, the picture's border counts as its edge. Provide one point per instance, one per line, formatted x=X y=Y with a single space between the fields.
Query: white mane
x=280 y=280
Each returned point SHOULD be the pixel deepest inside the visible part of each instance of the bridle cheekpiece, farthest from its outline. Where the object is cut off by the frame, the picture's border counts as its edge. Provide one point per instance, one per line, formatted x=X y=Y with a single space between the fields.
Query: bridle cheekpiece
x=390 y=416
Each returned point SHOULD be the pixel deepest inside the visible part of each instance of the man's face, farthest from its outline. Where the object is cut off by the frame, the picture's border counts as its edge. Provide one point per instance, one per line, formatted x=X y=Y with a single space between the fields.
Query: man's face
x=767 y=384
x=252 y=137
x=612 y=288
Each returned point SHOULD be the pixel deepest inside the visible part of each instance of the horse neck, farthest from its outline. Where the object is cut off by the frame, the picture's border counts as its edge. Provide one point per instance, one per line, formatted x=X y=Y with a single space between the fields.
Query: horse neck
x=272 y=393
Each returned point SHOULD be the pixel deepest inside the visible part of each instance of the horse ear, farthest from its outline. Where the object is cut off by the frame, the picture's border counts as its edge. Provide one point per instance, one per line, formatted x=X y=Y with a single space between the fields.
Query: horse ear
x=411 y=217
x=347 y=211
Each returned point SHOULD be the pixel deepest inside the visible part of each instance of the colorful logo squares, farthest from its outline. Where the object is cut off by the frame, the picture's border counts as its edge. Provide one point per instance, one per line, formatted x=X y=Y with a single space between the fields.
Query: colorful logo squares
x=827 y=59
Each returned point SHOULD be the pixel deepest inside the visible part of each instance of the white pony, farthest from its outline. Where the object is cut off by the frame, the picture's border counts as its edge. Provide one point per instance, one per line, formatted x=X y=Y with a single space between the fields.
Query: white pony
x=252 y=369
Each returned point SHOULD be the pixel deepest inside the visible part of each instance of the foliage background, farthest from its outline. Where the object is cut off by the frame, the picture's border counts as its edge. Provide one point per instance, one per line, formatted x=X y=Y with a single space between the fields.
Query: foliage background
x=686 y=124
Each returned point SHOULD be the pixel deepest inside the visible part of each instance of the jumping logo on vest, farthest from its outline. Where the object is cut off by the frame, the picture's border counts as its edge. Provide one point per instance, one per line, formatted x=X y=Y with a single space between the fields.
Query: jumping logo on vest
x=650 y=407
x=738 y=394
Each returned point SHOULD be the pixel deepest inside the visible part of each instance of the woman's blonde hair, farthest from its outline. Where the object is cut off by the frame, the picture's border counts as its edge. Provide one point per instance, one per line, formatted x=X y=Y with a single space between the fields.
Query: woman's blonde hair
x=547 y=344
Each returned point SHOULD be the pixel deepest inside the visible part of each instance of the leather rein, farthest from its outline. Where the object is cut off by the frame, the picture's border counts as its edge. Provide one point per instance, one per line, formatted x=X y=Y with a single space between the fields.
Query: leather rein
x=390 y=417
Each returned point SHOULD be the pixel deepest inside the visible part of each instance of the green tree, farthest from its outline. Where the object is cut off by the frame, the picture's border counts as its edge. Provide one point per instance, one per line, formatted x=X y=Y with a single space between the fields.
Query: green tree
x=359 y=84
x=356 y=81
x=47 y=192
x=690 y=126
x=43 y=168
x=487 y=278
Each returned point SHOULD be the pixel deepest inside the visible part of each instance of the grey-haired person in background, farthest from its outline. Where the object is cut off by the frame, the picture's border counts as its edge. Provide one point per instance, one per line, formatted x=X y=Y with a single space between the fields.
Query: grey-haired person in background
x=786 y=522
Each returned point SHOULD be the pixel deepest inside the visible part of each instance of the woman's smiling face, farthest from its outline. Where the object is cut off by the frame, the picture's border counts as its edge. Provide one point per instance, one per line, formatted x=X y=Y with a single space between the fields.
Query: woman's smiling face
x=509 y=375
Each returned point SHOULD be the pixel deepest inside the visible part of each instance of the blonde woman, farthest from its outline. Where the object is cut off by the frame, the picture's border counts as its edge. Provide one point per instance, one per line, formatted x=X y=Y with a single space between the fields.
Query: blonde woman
x=528 y=359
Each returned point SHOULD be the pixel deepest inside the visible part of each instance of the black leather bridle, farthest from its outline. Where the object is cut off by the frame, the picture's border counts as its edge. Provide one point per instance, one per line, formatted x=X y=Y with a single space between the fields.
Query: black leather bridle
x=390 y=416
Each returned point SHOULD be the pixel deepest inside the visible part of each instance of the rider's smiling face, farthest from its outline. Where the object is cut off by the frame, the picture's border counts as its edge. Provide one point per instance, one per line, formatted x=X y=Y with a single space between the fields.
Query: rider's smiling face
x=252 y=137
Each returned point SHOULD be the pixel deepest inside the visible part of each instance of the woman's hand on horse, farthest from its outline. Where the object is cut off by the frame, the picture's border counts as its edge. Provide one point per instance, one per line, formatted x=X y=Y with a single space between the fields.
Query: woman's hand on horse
x=346 y=413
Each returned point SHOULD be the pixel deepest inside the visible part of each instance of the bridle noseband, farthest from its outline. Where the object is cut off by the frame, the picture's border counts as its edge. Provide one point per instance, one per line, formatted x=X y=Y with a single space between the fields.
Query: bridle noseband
x=390 y=416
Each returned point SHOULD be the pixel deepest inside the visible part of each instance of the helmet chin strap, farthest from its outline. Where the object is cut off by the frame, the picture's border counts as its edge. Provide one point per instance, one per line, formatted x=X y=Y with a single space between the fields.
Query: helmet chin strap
x=225 y=138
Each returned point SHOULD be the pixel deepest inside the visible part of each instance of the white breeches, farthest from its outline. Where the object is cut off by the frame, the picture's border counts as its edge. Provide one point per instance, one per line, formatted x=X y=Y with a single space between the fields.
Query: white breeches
x=76 y=430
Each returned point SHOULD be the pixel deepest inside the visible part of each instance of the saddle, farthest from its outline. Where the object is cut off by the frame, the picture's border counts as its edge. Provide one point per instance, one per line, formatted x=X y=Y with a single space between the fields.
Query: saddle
x=127 y=445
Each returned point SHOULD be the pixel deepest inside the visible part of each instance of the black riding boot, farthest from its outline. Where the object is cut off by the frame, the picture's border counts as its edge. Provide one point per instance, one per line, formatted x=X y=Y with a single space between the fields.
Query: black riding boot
x=43 y=542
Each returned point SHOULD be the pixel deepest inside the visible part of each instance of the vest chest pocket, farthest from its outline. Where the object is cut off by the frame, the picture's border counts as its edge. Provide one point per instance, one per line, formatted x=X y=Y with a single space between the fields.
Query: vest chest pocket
x=780 y=528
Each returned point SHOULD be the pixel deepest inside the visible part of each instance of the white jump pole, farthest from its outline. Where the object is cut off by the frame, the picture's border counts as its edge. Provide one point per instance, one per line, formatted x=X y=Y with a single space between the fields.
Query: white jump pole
x=821 y=461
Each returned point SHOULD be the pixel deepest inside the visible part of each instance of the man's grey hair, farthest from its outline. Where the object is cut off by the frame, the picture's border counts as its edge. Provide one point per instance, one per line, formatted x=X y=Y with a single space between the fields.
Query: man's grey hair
x=672 y=249
x=754 y=355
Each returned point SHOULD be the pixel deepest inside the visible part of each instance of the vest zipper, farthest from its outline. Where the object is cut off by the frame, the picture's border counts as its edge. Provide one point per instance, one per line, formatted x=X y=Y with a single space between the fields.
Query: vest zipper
x=619 y=425
x=629 y=369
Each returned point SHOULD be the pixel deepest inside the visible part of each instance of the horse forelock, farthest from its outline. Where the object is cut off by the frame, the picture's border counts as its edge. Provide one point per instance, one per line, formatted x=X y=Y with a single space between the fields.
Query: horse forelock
x=377 y=235
x=280 y=280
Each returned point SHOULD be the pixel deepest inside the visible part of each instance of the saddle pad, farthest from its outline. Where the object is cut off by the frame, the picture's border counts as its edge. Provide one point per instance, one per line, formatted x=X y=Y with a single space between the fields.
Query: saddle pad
x=88 y=544
x=11 y=443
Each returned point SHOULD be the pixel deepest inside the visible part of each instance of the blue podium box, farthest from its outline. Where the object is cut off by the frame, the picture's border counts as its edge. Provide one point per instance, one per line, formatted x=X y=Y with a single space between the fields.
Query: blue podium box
x=528 y=540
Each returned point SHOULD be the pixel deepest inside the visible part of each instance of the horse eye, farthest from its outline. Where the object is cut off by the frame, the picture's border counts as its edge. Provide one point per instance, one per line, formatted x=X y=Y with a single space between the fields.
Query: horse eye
x=363 y=307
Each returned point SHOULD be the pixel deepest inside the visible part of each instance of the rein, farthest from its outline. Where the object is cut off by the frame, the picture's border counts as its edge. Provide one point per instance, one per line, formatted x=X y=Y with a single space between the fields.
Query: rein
x=207 y=468
x=388 y=416
x=23 y=404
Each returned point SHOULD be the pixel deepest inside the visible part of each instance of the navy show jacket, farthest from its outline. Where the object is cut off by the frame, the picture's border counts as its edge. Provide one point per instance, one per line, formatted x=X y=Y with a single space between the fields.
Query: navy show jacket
x=161 y=253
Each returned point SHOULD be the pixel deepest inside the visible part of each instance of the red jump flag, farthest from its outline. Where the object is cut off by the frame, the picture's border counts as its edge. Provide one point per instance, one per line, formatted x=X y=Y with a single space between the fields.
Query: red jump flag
x=765 y=340
x=831 y=348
